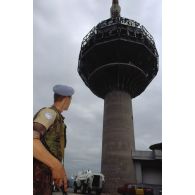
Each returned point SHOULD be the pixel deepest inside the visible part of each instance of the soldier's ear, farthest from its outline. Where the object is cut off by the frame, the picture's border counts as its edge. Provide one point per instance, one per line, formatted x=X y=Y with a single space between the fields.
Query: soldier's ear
x=65 y=99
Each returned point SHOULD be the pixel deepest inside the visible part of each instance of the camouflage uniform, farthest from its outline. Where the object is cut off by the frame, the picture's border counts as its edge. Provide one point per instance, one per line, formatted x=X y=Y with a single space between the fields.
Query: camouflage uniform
x=49 y=124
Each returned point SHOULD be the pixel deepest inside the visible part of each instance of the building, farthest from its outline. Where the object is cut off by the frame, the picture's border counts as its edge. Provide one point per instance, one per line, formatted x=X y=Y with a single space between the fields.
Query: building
x=148 y=165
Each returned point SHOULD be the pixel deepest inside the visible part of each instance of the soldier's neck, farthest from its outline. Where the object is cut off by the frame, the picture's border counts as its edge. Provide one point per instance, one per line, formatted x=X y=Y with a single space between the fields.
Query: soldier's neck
x=59 y=107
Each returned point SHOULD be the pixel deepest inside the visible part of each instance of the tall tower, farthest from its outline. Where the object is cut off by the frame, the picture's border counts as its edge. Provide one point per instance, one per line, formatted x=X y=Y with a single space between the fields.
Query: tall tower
x=117 y=61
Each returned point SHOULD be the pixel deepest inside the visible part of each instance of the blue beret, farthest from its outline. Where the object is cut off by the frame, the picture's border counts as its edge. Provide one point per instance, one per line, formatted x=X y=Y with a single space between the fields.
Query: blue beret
x=63 y=90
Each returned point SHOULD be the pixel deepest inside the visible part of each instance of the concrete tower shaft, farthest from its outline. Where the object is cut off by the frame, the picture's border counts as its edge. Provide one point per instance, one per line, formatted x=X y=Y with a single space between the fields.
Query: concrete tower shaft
x=118 y=141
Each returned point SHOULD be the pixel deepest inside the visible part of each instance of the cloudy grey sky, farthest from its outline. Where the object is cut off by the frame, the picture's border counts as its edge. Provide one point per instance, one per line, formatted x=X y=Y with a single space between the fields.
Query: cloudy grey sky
x=59 y=27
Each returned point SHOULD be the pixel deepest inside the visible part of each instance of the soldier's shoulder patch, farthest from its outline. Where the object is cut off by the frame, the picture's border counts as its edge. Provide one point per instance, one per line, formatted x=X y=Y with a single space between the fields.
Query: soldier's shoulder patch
x=46 y=117
x=49 y=113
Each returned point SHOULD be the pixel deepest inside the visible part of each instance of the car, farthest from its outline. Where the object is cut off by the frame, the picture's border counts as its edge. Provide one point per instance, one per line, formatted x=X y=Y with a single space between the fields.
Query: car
x=134 y=189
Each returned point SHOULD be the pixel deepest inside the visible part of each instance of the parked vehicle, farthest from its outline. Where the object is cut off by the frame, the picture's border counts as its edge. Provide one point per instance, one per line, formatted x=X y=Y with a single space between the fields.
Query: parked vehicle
x=134 y=189
x=87 y=181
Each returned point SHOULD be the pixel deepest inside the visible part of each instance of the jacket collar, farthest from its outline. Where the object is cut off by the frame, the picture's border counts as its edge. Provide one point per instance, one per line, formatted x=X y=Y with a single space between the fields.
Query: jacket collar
x=54 y=108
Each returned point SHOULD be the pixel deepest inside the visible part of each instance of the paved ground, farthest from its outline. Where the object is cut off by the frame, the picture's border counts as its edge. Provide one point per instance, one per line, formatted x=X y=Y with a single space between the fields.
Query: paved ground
x=70 y=192
x=60 y=193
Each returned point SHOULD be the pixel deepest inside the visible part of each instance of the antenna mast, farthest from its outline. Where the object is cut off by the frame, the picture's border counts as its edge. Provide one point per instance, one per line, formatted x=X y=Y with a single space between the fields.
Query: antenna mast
x=115 y=9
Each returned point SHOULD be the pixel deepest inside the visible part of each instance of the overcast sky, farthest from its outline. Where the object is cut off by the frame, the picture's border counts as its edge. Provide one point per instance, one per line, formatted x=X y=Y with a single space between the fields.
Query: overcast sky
x=59 y=27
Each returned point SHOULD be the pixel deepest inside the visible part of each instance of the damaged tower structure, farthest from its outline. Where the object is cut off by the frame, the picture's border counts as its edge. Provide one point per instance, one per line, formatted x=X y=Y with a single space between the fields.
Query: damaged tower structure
x=118 y=59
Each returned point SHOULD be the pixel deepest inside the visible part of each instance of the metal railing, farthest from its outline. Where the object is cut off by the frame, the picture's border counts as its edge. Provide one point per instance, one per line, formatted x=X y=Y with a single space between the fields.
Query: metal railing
x=103 y=27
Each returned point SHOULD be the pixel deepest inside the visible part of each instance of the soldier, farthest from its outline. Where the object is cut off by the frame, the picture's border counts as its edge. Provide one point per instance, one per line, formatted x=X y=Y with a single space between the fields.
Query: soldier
x=49 y=141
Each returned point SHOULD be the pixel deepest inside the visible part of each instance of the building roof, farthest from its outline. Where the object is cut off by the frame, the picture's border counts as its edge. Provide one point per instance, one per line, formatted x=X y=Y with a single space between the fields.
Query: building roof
x=147 y=155
x=157 y=146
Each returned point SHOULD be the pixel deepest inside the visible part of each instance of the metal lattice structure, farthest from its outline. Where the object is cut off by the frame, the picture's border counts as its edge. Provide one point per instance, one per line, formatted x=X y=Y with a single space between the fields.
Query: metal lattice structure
x=120 y=54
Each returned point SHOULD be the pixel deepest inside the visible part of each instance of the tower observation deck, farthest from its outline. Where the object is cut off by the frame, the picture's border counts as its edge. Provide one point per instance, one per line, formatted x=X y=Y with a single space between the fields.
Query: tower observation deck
x=118 y=59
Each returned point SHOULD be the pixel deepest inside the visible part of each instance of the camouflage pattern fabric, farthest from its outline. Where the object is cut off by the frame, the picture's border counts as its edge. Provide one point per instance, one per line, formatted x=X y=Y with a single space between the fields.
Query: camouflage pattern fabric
x=42 y=179
x=54 y=139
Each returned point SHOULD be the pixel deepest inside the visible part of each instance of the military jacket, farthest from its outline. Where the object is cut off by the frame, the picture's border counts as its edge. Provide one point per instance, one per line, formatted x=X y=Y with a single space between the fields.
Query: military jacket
x=54 y=138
